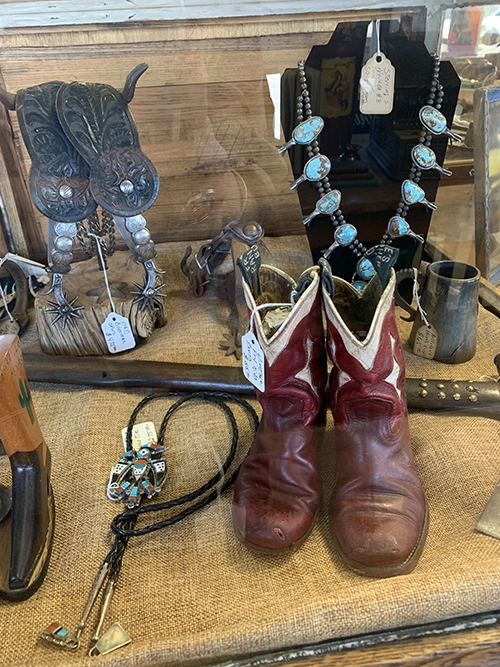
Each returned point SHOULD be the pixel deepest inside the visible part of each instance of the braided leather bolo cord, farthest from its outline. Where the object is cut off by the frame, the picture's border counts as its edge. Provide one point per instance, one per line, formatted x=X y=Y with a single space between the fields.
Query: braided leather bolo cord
x=123 y=525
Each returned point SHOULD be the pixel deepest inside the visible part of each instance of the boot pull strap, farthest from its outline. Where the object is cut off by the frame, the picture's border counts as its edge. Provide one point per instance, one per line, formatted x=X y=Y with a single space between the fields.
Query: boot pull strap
x=249 y=264
x=383 y=257
x=305 y=281
x=327 y=276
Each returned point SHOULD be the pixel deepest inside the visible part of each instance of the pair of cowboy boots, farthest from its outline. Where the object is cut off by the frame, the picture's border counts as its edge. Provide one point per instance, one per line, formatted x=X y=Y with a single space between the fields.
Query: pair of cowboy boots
x=378 y=512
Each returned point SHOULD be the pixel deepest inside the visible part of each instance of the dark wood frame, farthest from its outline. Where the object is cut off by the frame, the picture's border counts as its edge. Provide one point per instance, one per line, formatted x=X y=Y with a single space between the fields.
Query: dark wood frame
x=472 y=640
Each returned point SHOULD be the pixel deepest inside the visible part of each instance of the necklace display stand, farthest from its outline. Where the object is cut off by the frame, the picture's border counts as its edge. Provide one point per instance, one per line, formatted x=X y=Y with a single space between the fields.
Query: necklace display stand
x=369 y=169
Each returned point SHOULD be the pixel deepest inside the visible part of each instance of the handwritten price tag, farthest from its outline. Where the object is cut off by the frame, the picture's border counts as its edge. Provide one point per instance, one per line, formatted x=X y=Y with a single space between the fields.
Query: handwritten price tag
x=142 y=434
x=426 y=342
x=118 y=334
x=376 y=86
x=253 y=360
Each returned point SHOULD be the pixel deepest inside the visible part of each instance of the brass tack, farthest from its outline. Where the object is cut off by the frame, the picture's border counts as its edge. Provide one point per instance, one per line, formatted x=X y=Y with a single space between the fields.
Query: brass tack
x=423 y=393
x=473 y=398
x=441 y=394
x=440 y=386
x=456 y=396
x=454 y=385
x=469 y=387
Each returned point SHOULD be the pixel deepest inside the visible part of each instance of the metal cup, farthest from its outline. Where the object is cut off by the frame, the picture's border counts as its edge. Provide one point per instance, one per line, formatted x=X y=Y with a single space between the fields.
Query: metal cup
x=445 y=325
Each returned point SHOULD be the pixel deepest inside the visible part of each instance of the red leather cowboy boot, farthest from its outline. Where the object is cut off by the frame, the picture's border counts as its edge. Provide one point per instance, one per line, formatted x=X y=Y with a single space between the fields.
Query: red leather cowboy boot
x=278 y=489
x=378 y=511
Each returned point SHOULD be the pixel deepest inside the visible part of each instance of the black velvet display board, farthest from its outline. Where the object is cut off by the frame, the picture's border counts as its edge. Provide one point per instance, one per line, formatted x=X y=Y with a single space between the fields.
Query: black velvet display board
x=369 y=174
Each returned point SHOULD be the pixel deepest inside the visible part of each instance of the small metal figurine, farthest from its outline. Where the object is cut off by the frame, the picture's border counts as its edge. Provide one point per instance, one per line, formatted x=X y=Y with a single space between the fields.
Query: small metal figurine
x=85 y=152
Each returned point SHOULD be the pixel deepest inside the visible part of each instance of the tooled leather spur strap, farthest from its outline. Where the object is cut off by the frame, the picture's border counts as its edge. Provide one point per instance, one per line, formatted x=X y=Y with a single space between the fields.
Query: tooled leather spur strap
x=98 y=122
x=59 y=177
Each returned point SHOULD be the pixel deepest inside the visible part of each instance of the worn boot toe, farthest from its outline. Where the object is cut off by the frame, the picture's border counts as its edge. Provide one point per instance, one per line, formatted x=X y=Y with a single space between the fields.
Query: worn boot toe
x=272 y=523
x=378 y=542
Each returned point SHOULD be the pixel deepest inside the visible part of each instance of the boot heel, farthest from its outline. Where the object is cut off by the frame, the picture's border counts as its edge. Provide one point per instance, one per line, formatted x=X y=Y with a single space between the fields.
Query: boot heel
x=26 y=533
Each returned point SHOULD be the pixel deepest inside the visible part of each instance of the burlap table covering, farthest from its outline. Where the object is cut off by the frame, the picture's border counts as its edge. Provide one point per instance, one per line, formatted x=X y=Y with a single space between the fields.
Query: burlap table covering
x=192 y=593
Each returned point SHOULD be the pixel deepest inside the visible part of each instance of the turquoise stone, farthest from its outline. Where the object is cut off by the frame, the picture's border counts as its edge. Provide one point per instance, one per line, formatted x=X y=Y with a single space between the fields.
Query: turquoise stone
x=432 y=119
x=423 y=156
x=412 y=193
x=345 y=234
x=317 y=168
x=397 y=226
x=359 y=285
x=308 y=130
x=365 y=269
x=329 y=203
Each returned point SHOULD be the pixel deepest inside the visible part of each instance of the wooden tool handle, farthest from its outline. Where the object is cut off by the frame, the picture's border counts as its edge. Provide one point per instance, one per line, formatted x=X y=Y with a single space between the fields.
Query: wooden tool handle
x=19 y=429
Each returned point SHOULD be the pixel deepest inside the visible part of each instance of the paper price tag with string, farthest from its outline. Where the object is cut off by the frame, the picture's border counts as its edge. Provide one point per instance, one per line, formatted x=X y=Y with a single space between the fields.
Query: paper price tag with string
x=253 y=360
x=142 y=434
x=251 y=351
x=426 y=341
x=117 y=332
x=376 y=84
x=427 y=337
x=116 y=328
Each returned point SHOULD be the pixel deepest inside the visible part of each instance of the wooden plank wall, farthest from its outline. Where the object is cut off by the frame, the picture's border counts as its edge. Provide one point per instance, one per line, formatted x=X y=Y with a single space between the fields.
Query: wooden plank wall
x=36 y=13
x=203 y=110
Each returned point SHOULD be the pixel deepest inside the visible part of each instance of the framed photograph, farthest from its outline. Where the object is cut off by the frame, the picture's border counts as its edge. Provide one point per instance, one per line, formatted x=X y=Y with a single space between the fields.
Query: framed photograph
x=487 y=181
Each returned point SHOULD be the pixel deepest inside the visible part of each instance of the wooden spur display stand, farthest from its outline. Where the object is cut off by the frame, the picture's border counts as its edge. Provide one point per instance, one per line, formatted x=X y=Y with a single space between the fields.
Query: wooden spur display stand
x=192 y=594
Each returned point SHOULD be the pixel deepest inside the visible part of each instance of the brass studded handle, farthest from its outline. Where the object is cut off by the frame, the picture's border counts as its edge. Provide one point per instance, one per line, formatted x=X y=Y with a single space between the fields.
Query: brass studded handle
x=423 y=394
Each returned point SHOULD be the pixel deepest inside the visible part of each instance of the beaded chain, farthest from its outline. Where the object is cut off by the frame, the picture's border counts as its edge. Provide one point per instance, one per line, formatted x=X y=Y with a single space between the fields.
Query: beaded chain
x=435 y=99
x=304 y=112
x=423 y=158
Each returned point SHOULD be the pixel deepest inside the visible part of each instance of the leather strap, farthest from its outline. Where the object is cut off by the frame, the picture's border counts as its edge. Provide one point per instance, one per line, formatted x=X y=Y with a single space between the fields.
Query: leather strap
x=59 y=177
x=99 y=124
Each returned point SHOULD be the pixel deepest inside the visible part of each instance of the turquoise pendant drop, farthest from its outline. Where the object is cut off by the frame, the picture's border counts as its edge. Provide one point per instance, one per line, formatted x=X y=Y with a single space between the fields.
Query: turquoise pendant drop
x=317 y=168
x=398 y=227
x=365 y=269
x=413 y=194
x=327 y=205
x=434 y=121
x=304 y=133
x=425 y=158
x=359 y=285
x=344 y=236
